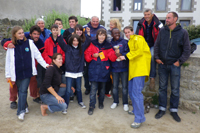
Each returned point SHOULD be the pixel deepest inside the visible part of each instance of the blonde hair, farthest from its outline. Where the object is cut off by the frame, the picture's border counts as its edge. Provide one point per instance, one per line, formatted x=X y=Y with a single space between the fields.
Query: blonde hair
x=116 y=22
x=14 y=31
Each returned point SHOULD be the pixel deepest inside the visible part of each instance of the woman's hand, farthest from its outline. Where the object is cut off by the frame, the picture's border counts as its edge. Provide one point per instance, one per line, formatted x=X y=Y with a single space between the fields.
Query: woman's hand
x=59 y=31
x=60 y=99
x=96 y=55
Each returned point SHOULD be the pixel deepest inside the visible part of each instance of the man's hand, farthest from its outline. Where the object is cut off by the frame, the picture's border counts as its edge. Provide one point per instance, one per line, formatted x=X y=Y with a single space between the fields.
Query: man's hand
x=59 y=31
x=88 y=30
x=159 y=61
x=96 y=55
x=177 y=64
x=11 y=45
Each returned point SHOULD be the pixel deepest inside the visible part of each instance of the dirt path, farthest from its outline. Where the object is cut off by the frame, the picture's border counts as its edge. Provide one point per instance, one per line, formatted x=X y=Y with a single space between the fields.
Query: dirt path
x=78 y=121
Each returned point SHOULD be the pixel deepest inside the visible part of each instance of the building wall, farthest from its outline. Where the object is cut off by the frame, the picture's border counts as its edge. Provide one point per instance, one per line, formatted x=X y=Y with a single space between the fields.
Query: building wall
x=127 y=15
x=25 y=9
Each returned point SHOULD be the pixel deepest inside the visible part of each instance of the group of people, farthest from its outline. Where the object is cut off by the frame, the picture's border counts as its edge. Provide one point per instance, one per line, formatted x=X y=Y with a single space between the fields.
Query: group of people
x=102 y=57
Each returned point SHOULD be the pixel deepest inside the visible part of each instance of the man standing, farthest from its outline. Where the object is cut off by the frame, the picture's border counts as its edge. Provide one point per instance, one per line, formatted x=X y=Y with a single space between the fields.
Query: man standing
x=172 y=49
x=149 y=27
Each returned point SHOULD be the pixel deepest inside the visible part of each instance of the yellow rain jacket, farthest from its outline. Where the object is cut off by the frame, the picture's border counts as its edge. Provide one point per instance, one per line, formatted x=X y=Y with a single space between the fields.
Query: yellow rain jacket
x=139 y=57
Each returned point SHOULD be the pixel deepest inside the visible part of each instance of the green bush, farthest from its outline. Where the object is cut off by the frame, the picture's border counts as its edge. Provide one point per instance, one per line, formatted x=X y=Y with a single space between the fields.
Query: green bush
x=49 y=20
x=193 y=31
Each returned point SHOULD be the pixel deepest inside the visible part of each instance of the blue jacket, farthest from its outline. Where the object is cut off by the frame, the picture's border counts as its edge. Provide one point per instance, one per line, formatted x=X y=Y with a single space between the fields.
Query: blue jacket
x=47 y=34
x=99 y=69
x=23 y=61
x=74 y=62
x=93 y=31
x=120 y=66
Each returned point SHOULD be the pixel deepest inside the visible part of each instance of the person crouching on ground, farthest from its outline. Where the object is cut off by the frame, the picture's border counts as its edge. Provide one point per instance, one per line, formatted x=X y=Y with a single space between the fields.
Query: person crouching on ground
x=139 y=68
x=52 y=89
x=98 y=54
x=20 y=66
x=119 y=69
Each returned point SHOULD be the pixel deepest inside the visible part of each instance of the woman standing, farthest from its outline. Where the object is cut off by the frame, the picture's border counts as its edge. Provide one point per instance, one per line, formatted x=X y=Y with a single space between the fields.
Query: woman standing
x=20 y=66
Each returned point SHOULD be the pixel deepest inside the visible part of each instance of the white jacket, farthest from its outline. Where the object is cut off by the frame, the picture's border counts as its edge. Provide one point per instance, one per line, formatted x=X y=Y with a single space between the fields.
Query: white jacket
x=10 y=61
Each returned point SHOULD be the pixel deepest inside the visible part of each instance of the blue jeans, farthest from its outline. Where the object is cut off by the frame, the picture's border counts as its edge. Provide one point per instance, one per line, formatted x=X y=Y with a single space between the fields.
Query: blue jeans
x=22 y=86
x=124 y=80
x=135 y=88
x=86 y=77
x=174 y=72
x=93 y=92
x=68 y=89
x=153 y=64
x=64 y=82
x=52 y=102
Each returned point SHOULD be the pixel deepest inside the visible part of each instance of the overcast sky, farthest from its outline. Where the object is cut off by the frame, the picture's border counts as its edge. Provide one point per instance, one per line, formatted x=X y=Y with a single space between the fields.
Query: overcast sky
x=91 y=8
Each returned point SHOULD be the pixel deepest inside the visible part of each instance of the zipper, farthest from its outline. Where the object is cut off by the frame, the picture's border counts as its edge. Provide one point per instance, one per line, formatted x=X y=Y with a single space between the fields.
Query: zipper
x=168 y=45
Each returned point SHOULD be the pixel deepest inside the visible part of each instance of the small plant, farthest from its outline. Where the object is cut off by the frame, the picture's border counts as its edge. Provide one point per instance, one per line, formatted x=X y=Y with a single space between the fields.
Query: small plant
x=155 y=99
x=49 y=20
x=193 y=112
x=193 y=31
x=185 y=64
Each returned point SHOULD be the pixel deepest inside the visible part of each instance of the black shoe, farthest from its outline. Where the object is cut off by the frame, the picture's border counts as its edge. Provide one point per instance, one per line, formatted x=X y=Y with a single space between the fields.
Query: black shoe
x=13 y=105
x=87 y=92
x=38 y=100
x=71 y=99
x=101 y=106
x=175 y=116
x=159 y=114
x=90 y=111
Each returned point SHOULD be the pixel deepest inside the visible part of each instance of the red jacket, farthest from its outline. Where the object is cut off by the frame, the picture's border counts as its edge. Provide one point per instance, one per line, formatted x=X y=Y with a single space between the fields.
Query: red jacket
x=48 y=50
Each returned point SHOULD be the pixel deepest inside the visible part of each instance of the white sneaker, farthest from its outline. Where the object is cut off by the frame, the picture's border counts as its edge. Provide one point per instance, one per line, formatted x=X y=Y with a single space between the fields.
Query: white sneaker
x=135 y=125
x=82 y=105
x=113 y=106
x=27 y=111
x=126 y=108
x=64 y=112
x=21 y=116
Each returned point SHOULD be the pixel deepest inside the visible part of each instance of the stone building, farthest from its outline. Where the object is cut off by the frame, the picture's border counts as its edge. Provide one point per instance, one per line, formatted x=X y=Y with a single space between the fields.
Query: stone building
x=129 y=12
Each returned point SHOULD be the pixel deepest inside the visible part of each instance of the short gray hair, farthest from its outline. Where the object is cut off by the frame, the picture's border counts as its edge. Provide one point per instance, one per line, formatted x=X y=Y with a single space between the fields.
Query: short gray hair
x=39 y=19
x=94 y=17
x=147 y=10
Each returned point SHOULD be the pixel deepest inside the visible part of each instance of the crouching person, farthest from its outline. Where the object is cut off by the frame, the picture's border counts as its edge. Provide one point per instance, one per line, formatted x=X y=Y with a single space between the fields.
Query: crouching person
x=52 y=89
x=139 y=68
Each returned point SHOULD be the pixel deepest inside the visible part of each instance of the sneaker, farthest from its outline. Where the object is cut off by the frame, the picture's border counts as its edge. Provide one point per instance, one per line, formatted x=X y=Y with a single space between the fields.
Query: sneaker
x=126 y=108
x=64 y=112
x=82 y=105
x=130 y=112
x=21 y=116
x=90 y=111
x=38 y=100
x=72 y=99
x=27 y=111
x=108 y=95
x=135 y=125
x=114 y=105
x=175 y=116
x=13 y=105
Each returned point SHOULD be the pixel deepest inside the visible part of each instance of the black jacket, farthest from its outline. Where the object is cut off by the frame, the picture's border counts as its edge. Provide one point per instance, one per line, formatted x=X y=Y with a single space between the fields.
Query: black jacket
x=52 y=79
x=172 y=46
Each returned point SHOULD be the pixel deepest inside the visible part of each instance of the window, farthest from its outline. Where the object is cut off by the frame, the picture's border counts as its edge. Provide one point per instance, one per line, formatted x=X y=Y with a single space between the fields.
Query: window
x=137 y=5
x=186 y=5
x=116 y=5
x=185 y=23
x=161 y=5
x=135 y=23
